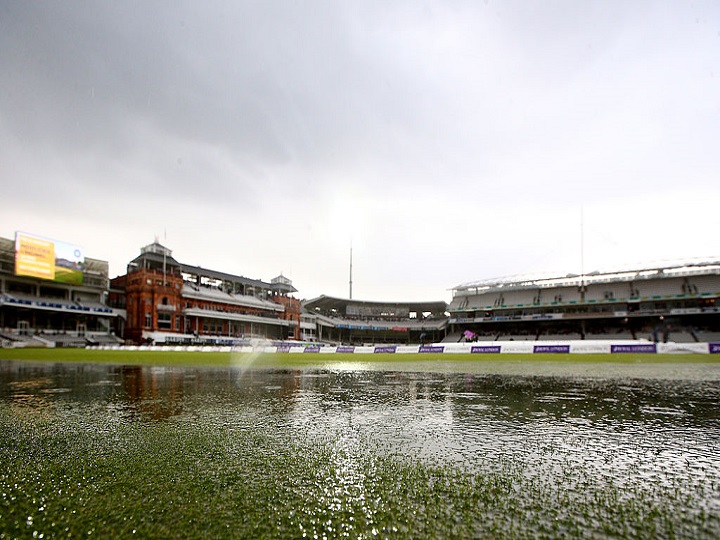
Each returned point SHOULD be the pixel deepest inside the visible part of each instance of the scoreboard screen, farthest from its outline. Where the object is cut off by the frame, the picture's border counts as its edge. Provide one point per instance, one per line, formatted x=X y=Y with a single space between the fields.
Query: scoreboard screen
x=44 y=258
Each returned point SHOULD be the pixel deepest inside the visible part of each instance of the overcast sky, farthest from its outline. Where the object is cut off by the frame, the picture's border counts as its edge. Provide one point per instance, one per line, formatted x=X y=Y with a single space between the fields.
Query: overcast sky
x=445 y=141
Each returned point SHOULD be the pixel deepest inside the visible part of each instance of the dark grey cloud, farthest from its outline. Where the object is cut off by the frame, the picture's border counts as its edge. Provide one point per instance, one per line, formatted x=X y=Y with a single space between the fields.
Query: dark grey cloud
x=469 y=125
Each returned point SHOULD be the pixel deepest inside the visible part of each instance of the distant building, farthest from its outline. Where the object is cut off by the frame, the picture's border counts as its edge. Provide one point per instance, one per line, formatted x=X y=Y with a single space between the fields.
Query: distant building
x=357 y=322
x=168 y=302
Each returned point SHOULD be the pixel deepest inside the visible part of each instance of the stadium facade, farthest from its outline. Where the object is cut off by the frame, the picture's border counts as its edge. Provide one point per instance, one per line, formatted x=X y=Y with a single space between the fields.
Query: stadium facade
x=675 y=302
x=52 y=295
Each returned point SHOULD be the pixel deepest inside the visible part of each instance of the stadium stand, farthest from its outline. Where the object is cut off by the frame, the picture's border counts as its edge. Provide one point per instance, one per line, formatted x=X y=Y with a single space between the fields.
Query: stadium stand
x=62 y=340
x=707 y=336
x=162 y=301
x=356 y=322
x=103 y=339
x=559 y=337
x=54 y=308
x=660 y=303
x=455 y=337
x=168 y=302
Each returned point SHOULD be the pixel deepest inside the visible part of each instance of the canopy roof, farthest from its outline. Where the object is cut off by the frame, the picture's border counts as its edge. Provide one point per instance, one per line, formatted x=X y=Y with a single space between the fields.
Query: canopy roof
x=692 y=267
x=340 y=304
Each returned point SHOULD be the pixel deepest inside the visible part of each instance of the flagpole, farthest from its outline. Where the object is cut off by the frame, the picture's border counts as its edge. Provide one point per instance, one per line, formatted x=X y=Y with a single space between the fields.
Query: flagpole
x=165 y=260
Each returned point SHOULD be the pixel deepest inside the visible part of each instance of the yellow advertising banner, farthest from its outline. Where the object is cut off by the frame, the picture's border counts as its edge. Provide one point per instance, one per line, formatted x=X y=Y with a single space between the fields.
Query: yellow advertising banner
x=34 y=257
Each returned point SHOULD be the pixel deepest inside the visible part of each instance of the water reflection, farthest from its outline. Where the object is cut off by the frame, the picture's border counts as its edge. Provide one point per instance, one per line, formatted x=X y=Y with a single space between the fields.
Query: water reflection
x=151 y=394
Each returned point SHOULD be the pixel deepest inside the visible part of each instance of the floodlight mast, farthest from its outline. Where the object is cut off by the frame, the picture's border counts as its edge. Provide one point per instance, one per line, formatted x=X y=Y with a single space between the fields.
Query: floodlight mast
x=582 y=254
x=350 y=270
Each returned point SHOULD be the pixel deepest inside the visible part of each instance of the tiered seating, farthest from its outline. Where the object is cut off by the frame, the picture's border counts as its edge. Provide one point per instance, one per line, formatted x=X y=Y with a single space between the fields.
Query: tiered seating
x=515 y=337
x=29 y=341
x=470 y=302
x=16 y=298
x=216 y=295
x=560 y=295
x=709 y=337
x=706 y=284
x=600 y=292
x=610 y=334
x=104 y=339
x=65 y=340
x=662 y=288
x=524 y=297
x=384 y=323
x=559 y=337
x=9 y=337
x=681 y=336
x=459 y=303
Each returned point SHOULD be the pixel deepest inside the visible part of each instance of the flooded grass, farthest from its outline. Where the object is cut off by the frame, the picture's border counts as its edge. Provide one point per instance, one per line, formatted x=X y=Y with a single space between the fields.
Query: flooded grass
x=199 y=480
x=156 y=452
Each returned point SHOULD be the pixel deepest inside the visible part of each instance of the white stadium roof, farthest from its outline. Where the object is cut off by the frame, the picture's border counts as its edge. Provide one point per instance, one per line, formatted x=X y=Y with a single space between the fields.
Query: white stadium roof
x=686 y=267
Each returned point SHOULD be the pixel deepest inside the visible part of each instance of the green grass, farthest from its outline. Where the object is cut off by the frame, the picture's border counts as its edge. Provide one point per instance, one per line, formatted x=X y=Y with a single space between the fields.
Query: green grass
x=194 y=358
x=68 y=275
x=164 y=358
x=87 y=469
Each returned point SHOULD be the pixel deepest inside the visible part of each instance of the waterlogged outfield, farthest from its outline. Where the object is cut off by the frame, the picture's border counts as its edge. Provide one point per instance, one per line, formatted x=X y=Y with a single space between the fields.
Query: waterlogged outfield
x=85 y=476
x=451 y=362
x=122 y=451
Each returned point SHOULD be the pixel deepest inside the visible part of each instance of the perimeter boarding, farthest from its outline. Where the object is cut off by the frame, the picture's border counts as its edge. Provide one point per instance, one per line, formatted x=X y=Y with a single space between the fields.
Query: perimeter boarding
x=480 y=348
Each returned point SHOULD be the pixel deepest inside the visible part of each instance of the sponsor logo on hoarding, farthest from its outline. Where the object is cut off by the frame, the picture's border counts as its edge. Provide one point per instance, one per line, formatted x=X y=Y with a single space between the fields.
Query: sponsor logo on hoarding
x=283 y=348
x=312 y=349
x=431 y=349
x=482 y=349
x=345 y=349
x=714 y=348
x=589 y=347
x=645 y=348
x=386 y=349
x=551 y=349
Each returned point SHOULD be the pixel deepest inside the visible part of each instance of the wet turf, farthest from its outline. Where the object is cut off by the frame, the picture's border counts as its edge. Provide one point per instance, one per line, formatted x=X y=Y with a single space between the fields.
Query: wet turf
x=202 y=480
x=103 y=451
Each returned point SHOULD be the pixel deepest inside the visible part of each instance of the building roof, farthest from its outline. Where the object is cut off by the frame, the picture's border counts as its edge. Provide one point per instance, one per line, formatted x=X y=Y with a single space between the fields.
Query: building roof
x=159 y=254
x=281 y=283
x=693 y=267
x=224 y=276
x=328 y=303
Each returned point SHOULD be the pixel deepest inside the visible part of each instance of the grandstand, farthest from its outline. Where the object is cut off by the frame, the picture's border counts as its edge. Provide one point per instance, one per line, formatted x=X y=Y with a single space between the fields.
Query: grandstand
x=168 y=302
x=46 y=301
x=674 y=302
x=356 y=322
x=51 y=295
